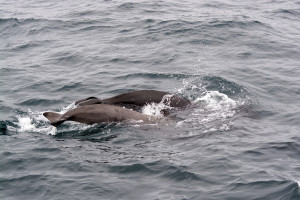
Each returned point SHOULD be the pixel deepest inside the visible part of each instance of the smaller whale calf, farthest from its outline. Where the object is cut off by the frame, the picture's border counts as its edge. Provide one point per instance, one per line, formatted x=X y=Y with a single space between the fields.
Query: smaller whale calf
x=97 y=113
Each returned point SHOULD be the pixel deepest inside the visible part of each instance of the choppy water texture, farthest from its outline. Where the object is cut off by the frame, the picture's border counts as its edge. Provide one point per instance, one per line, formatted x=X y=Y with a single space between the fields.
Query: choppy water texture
x=238 y=62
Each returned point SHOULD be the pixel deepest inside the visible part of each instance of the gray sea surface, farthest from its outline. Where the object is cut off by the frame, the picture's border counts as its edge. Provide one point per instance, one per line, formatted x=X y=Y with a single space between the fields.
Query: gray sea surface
x=236 y=61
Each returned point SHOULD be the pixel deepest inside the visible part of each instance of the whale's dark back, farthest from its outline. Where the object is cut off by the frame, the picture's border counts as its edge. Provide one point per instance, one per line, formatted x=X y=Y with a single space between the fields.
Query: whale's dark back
x=143 y=97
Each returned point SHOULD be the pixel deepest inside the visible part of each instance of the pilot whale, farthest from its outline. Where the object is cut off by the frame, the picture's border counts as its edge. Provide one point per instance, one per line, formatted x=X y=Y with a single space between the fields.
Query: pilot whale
x=138 y=98
x=93 y=110
x=96 y=113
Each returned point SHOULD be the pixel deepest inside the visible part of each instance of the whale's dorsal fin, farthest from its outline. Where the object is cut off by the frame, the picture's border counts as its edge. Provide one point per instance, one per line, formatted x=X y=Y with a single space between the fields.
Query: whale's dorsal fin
x=88 y=101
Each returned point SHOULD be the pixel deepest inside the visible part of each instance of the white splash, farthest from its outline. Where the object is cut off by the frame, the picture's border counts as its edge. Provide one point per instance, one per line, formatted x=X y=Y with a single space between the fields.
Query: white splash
x=216 y=100
x=26 y=124
x=67 y=108
x=36 y=122
x=156 y=109
x=217 y=105
x=212 y=113
x=153 y=109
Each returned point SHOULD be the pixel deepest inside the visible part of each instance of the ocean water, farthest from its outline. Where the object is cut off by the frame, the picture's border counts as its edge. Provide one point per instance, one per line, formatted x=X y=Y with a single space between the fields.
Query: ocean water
x=237 y=61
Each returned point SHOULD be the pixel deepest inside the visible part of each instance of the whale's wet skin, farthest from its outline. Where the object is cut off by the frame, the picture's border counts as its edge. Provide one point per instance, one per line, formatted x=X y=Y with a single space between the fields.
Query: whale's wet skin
x=232 y=69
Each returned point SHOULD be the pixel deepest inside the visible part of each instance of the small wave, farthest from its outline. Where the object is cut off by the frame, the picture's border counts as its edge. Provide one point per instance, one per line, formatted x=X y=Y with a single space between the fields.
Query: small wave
x=153 y=76
x=287 y=13
x=163 y=169
x=19 y=21
x=212 y=4
x=171 y=27
x=37 y=102
x=65 y=58
x=289 y=149
x=83 y=13
x=270 y=189
x=203 y=42
x=182 y=27
x=93 y=133
x=94 y=27
x=240 y=24
x=149 y=20
x=134 y=168
x=4 y=20
x=182 y=175
x=31 y=27
x=26 y=46
x=222 y=85
x=128 y=5
x=70 y=86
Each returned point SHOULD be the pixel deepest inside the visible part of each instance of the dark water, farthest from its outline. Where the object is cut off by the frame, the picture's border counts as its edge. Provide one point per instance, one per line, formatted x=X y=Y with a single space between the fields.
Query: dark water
x=238 y=62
